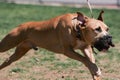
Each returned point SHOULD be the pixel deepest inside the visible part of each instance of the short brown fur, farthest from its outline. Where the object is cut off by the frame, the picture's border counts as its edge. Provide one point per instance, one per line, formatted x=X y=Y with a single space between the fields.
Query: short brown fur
x=57 y=35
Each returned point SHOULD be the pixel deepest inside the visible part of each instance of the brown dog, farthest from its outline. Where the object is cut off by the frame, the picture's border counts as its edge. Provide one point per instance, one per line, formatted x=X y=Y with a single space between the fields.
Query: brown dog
x=63 y=35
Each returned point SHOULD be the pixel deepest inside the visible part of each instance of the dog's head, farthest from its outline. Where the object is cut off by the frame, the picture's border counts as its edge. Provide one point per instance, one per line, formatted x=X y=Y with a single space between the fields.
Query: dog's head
x=95 y=31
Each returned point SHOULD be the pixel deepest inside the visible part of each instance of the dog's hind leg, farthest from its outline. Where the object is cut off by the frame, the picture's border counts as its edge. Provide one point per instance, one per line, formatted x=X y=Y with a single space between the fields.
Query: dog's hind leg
x=20 y=51
x=11 y=40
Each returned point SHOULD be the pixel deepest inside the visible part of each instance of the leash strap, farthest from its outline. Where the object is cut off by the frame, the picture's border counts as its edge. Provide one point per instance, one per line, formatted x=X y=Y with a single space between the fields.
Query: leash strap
x=90 y=8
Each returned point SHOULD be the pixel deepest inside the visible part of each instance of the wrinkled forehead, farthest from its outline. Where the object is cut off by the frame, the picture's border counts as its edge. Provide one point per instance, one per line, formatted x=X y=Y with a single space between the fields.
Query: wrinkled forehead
x=93 y=23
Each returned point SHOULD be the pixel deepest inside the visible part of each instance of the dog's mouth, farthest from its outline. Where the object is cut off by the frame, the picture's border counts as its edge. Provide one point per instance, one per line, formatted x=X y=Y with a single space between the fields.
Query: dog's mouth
x=104 y=43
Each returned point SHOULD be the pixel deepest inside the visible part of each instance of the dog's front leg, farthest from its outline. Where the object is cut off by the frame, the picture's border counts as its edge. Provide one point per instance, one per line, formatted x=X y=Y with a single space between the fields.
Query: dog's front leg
x=89 y=53
x=95 y=71
x=91 y=66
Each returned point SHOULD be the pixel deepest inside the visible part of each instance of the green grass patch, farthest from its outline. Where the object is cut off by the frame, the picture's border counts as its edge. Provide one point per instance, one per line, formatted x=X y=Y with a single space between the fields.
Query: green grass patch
x=17 y=70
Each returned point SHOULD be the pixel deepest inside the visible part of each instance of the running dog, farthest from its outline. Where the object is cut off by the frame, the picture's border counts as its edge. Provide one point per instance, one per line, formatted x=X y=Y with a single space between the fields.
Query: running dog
x=63 y=34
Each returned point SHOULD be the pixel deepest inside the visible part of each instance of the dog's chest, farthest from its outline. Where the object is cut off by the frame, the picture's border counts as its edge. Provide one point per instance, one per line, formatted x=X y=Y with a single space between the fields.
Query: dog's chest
x=79 y=44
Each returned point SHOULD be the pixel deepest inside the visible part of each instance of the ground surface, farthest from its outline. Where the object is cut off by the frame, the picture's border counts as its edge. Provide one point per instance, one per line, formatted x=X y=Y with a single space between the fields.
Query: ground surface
x=45 y=65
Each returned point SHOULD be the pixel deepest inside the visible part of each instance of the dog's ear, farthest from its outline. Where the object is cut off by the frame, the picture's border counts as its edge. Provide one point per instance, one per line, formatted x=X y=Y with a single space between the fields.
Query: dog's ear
x=81 y=18
x=81 y=24
x=100 y=17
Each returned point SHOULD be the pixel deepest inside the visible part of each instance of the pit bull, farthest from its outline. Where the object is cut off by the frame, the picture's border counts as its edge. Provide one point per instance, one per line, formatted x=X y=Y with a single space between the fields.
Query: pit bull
x=63 y=35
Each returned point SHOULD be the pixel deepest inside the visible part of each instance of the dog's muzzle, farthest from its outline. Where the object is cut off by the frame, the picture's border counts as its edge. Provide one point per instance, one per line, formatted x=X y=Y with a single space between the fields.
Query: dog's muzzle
x=104 y=43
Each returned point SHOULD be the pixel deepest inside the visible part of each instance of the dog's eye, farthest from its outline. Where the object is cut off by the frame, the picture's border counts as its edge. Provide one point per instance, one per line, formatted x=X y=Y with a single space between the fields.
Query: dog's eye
x=107 y=29
x=98 y=29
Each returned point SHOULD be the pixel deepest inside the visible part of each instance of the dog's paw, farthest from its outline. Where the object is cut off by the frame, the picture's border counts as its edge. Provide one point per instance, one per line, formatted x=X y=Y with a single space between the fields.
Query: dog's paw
x=96 y=78
x=97 y=75
x=98 y=72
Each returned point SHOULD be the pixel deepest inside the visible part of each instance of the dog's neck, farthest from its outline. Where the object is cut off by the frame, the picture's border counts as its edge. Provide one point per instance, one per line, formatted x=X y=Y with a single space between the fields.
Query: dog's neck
x=76 y=28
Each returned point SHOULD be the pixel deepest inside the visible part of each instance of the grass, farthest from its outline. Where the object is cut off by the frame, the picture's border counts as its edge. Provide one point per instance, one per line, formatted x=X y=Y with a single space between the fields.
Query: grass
x=45 y=65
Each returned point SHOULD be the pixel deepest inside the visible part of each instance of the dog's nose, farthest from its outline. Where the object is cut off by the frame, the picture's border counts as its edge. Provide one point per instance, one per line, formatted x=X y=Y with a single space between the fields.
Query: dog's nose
x=109 y=36
x=108 y=39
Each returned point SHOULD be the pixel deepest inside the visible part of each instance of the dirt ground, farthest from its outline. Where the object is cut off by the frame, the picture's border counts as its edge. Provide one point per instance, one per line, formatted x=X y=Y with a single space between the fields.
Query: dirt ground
x=47 y=70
